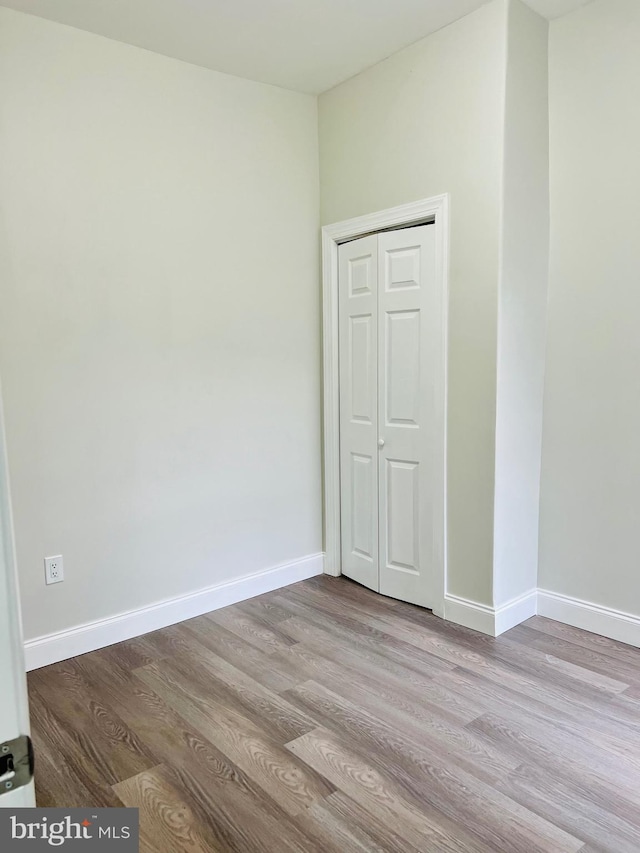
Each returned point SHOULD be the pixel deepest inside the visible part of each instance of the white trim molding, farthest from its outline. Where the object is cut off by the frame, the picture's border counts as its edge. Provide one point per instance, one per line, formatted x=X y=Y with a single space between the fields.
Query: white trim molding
x=134 y=623
x=614 y=624
x=490 y=620
x=515 y=611
x=471 y=614
x=434 y=210
x=605 y=621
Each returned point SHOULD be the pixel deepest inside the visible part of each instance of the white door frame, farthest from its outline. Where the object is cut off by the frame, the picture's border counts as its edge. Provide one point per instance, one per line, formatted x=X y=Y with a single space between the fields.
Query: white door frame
x=435 y=210
x=14 y=710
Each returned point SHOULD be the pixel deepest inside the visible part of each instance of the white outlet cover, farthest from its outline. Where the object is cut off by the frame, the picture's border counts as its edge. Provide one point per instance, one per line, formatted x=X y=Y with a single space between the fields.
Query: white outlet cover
x=53 y=569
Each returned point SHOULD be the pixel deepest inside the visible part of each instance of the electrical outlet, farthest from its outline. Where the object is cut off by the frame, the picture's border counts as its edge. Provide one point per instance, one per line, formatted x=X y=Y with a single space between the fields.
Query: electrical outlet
x=53 y=569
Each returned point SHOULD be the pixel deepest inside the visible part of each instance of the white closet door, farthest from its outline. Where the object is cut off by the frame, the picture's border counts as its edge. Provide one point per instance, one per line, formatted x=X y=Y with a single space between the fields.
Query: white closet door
x=358 y=315
x=408 y=336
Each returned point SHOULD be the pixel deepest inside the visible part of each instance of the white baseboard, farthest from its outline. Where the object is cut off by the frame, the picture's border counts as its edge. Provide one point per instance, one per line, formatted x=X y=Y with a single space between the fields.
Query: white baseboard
x=490 y=620
x=615 y=624
x=469 y=613
x=104 y=632
x=514 y=612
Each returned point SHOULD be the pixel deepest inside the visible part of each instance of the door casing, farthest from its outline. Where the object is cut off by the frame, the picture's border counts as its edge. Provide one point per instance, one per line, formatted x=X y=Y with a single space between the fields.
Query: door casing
x=436 y=210
x=14 y=702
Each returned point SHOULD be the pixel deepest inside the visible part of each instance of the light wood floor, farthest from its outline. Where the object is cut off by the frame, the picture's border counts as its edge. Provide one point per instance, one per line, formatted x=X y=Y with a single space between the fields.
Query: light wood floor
x=325 y=718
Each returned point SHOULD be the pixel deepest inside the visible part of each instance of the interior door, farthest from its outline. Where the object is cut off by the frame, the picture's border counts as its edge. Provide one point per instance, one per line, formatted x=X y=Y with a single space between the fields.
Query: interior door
x=408 y=319
x=14 y=709
x=358 y=317
x=389 y=319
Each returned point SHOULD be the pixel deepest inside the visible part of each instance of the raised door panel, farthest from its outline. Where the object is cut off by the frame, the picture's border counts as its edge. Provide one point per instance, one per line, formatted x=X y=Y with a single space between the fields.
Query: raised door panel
x=361 y=369
x=407 y=333
x=402 y=368
x=363 y=506
x=358 y=318
x=403 y=515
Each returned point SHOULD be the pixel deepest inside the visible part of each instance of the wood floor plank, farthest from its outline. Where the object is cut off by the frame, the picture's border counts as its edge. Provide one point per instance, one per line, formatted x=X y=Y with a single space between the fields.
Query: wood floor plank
x=423 y=827
x=350 y=594
x=212 y=678
x=86 y=718
x=360 y=628
x=522 y=696
x=371 y=826
x=237 y=812
x=133 y=653
x=615 y=791
x=368 y=659
x=425 y=698
x=566 y=737
x=342 y=826
x=158 y=725
x=166 y=820
x=230 y=805
x=500 y=659
x=428 y=774
x=166 y=642
x=56 y=782
x=324 y=718
x=263 y=668
x=616 y=674
x=254 y=750
x=73 y=755
x=567 y=807
x=527 y=676
x=617 y=650
x=265 y=607
x=254 y=629
x=364 y=718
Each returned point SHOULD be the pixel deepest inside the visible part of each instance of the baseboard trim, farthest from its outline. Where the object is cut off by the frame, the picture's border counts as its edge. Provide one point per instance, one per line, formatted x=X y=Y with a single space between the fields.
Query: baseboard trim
x=605 y=621
x=614 y=624
x=470 y=614
x=81 y=639
x=514 y=612
x=42 y=651
x=490 y=620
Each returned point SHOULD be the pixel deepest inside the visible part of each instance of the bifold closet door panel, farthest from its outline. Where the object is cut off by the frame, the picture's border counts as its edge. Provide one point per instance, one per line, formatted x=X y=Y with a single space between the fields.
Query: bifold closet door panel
x=358 y=317
x=408 y=331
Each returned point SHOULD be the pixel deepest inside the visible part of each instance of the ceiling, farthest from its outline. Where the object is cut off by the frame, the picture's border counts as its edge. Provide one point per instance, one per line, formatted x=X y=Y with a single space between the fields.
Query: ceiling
x=307 y=45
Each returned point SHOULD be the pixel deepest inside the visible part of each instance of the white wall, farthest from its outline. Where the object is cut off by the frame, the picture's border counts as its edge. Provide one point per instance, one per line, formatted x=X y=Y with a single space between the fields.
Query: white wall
x=522 y=305
x=590 y=497
x=159 y=322
x=159 y=325
x=429 y=120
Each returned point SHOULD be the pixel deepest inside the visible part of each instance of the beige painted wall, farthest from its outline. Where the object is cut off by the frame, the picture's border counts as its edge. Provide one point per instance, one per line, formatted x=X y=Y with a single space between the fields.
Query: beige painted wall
x=590 y=496
x=425 y=121
x=522 y=305
x=159 y=322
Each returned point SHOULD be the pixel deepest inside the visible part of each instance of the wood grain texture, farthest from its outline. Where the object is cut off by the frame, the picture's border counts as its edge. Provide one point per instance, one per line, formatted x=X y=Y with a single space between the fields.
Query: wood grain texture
x=326 y=718
x=166 y=820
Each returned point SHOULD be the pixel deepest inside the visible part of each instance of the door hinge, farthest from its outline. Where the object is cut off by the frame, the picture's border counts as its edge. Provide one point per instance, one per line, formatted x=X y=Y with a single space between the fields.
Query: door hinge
x=16 y=763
